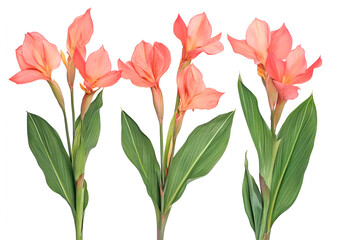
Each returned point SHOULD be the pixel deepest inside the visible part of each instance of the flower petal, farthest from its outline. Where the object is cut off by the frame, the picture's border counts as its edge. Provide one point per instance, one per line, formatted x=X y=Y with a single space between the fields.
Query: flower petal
x=52 y=55
x=79 y=63
x=108 y=80
x=161 y=60
x=199 y=31
x=80 y=33
x=241 y=47
x=258 y=37
x=32 y=50
x=180 y=30
x=308 y=73
x=128 y=72
x=281 y=42
x=22 y=63
x=214 y=46
x=141 y=61
x=275 y=67
x=98 y=64
x=27 y=76
x=207 y=99
x=295 y=64
x=286 y=92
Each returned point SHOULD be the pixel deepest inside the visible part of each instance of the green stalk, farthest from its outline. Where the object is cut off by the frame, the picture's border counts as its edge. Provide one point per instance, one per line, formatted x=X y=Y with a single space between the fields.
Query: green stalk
x=80 y=196
x=67 y=132
x=73 y=112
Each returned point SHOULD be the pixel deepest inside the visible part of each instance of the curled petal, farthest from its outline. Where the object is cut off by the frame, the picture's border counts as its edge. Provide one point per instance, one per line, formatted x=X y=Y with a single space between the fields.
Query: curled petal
x=286 y=92
x=199 y=31
x=128 y=72
x=275 y=67
x=161 y=60
x=295 y=64
x=258 y=37
x=52 y=55
x=108 y=79
x=33 y=50
x=79 y=63
x=80 y=33
x=281 y=42
x=141 y=60
x=308 y=73
x=241 y=47
x=98 y=64
x=180 y=30
x=207 y=99
x=27 y=76
x=214 y=46
x=22 y=63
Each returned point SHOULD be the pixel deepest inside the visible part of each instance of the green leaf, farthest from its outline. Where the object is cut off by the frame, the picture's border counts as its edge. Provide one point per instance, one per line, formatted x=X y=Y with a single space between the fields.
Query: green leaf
x=139 y=150
x=253 y=201
x=259 y=130
x=86 y=198
x=296 y=143
x=51 y=156
x=201 y=151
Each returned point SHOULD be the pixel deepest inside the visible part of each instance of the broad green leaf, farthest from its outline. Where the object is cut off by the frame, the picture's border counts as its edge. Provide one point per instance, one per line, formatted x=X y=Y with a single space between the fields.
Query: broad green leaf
x=139 y=150
x=253 y=202
x=86 y=198
x=51 y=156
x=259 y=130
x=297 y=139
x=201 y=151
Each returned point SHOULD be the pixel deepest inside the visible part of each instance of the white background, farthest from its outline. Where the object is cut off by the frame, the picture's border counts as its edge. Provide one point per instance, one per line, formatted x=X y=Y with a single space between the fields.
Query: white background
x=119 y=207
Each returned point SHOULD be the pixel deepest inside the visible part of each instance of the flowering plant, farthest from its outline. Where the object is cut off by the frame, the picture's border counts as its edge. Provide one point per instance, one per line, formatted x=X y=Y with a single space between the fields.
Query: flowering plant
x=283 y=156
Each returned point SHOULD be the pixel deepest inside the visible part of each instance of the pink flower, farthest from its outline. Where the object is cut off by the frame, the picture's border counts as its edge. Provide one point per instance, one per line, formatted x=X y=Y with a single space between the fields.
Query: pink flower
x=96 y=71
x=79 y=34
x=37 y=59
x=196 y=37
x=193 y=92
x=147 y=66
x=286 y=74
x=260 y=41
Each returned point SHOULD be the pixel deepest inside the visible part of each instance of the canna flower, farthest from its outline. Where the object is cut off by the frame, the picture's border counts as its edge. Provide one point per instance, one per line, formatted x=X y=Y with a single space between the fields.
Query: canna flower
x=145 y=69
x=79 y=34
x=285 y=74
x=196 y=37
x=193 y=92
x=96 y=71
x=260 y=41
x=37 y=59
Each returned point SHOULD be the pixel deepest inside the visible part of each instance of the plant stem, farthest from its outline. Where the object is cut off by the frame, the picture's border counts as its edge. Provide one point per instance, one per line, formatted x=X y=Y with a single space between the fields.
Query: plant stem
x=161 y=223
x=80 y=196
x=73 y=112
x=161 y=152
x=67 y=132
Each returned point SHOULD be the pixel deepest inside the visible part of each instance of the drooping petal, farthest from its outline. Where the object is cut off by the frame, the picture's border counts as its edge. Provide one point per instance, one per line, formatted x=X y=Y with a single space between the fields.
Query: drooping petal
x=80 y=33
x=214 y=46
x=27 y=76
x=98 y=64
x=295 y=64
x=275 y=67
x=180 y=30
x=108 y=79
x=281 y=42
x=128 y=72
x=308 y=73
x=258 y=37
x=286 y=92
x=161 y=60
x=141 y=60
x=207 y=99
x=241 y=47
x=199 y=31
x=79 y=63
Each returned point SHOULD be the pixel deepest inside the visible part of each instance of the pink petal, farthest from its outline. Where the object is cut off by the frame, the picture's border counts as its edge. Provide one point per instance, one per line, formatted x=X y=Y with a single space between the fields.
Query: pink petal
x=161 y=60
x=180 y=30
x=207 y=99
x=98 y=64
x=32 y=50
x=214 y=46
x=108 y=80
x=241 y=47
x=308 y=73
x=199 y=31
x=22 y=63
x=141 y=61
x=275 y=67
x=27 y=76
x=258 y=37
x=295 y=64
x=79 y=63
x=80 y=33
x=128 y=72
x=52 y=55
x=281 y=42
x=286 y=92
